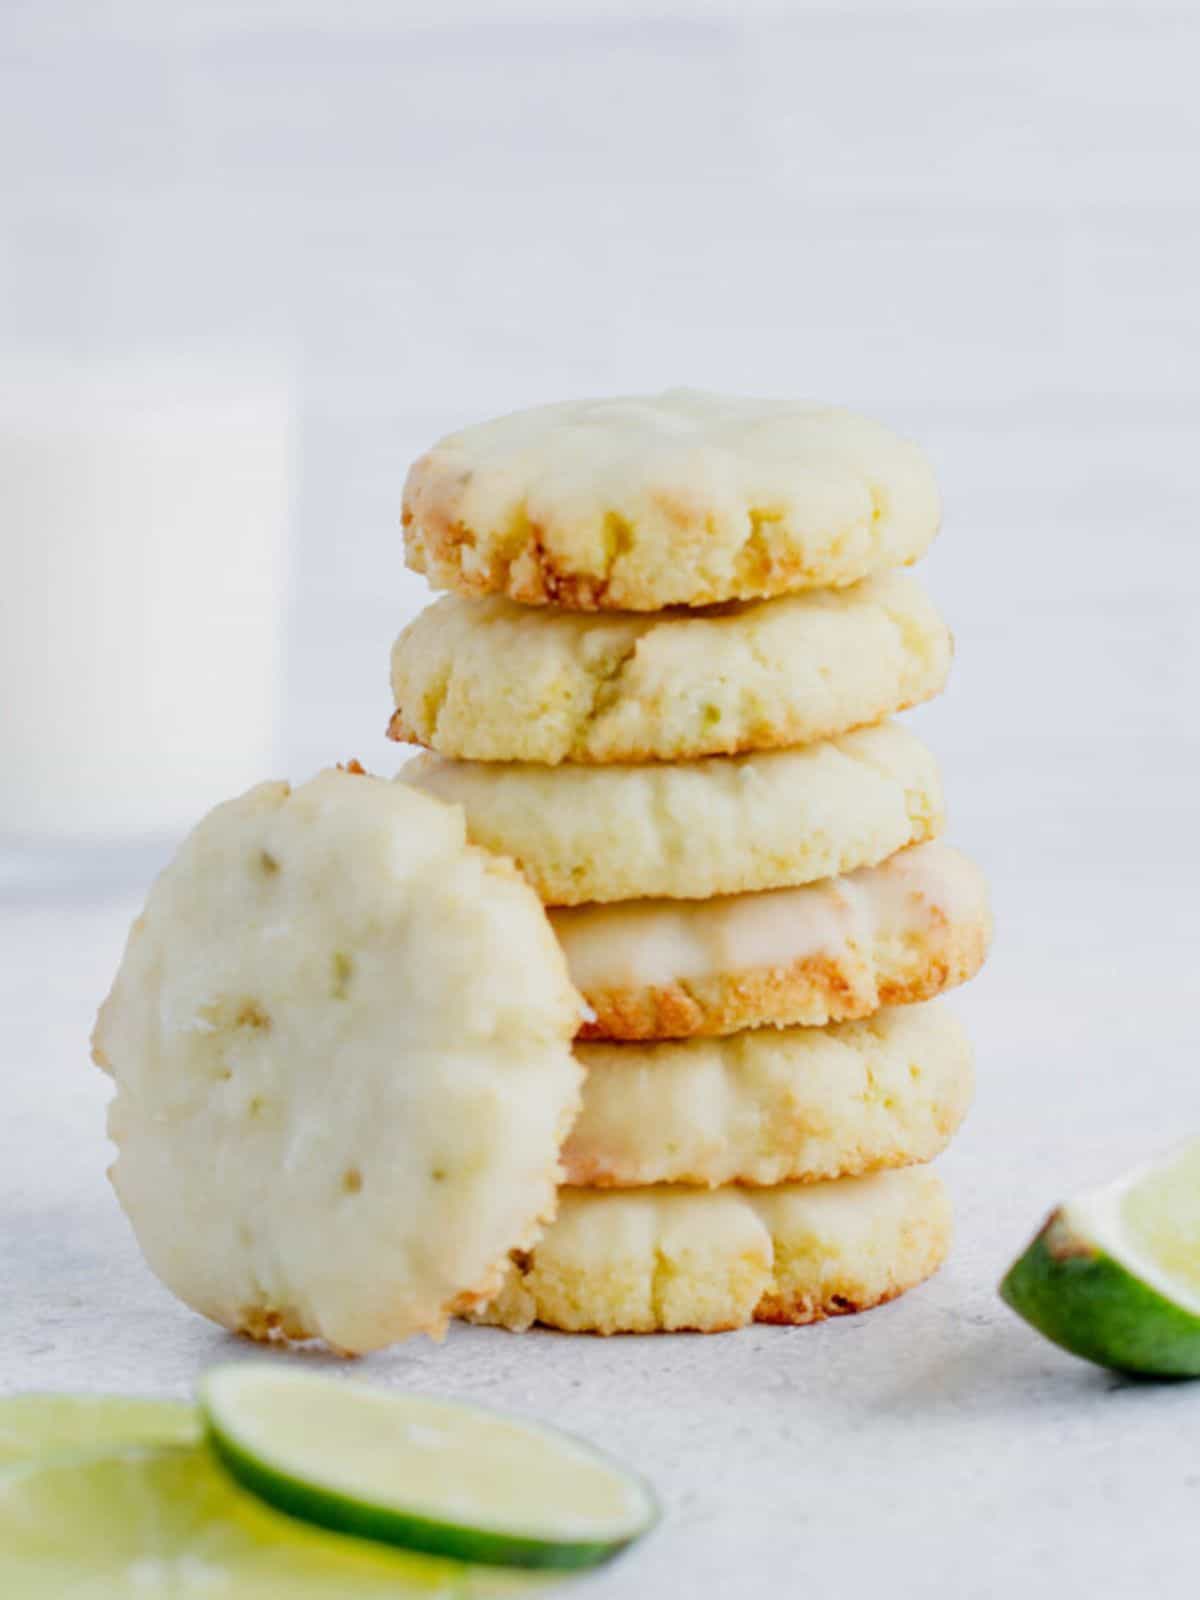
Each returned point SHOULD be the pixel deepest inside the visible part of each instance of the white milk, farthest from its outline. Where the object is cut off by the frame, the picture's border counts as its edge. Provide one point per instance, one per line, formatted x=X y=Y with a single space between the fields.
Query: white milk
x=142 y=522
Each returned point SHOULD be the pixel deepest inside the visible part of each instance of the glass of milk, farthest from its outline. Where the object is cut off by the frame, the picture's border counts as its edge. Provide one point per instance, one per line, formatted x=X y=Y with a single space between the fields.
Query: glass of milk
x=143 y=512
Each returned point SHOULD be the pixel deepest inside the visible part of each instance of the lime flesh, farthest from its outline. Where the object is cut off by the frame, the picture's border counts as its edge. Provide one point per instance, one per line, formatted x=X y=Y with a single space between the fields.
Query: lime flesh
x=1161 y=1215
x=167 y=1521
x=1114 y=1275
x=39 y=1424
x=419 y=1472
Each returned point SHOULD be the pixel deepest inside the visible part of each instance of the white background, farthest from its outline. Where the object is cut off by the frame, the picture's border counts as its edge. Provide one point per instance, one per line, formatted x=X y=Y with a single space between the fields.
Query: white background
x=979 y=222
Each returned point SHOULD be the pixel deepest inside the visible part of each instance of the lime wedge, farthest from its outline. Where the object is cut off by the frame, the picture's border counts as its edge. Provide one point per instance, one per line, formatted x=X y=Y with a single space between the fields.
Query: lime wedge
x=1114 y=1275
x=428 y=1474
x=39 y=1424
x=165 y=1520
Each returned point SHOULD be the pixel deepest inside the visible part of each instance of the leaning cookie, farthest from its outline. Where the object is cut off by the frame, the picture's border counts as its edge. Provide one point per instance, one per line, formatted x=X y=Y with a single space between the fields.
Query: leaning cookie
x=769 y=1105
x=682 y=498
x=490 y=680
x=720 y=825
x=906 y=930
x=650 y=1260
x=340 y=1041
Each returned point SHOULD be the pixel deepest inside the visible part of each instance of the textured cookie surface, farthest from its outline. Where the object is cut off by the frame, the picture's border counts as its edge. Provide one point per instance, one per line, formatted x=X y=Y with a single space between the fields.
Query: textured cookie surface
x=720 y=825
x=903 y=931
x=772 y=1106
x=682 y=498
x=339 y=1036
x=644 y=1260
x=490 y=680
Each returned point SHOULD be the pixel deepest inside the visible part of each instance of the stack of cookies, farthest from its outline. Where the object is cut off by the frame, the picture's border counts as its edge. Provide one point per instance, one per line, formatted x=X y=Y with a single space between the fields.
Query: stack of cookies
x=662 y=685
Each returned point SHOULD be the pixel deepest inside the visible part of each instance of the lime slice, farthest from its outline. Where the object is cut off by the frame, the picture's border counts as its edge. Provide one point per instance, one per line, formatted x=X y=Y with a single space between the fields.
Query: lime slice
x=39 y=1424
x=425 y=1473
x=1114 y=1276
x=166 y=1521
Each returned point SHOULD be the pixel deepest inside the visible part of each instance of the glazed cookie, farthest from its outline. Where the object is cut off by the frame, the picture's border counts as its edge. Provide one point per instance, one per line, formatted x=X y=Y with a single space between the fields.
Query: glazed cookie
x=720 y=825
x=826 y=952
x=772 y=1106
x=649 y=1260
x=490 y=680
x=340 y=1041
x=682 y=498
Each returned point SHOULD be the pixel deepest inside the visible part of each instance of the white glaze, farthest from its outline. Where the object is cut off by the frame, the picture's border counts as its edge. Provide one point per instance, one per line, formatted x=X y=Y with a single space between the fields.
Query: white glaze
x=652 y=943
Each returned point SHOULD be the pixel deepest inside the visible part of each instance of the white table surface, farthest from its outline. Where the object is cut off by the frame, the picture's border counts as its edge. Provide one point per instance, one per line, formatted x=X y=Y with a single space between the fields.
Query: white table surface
x=933 y=1446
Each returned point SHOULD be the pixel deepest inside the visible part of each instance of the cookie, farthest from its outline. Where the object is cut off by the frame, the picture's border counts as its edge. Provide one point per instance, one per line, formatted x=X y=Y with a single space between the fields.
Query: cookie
x=903 y=931
x=490 y=680
x=720 y=825
x=340 y=1041
x=682 y=498
x=649 y=1260
x=772 y=1106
